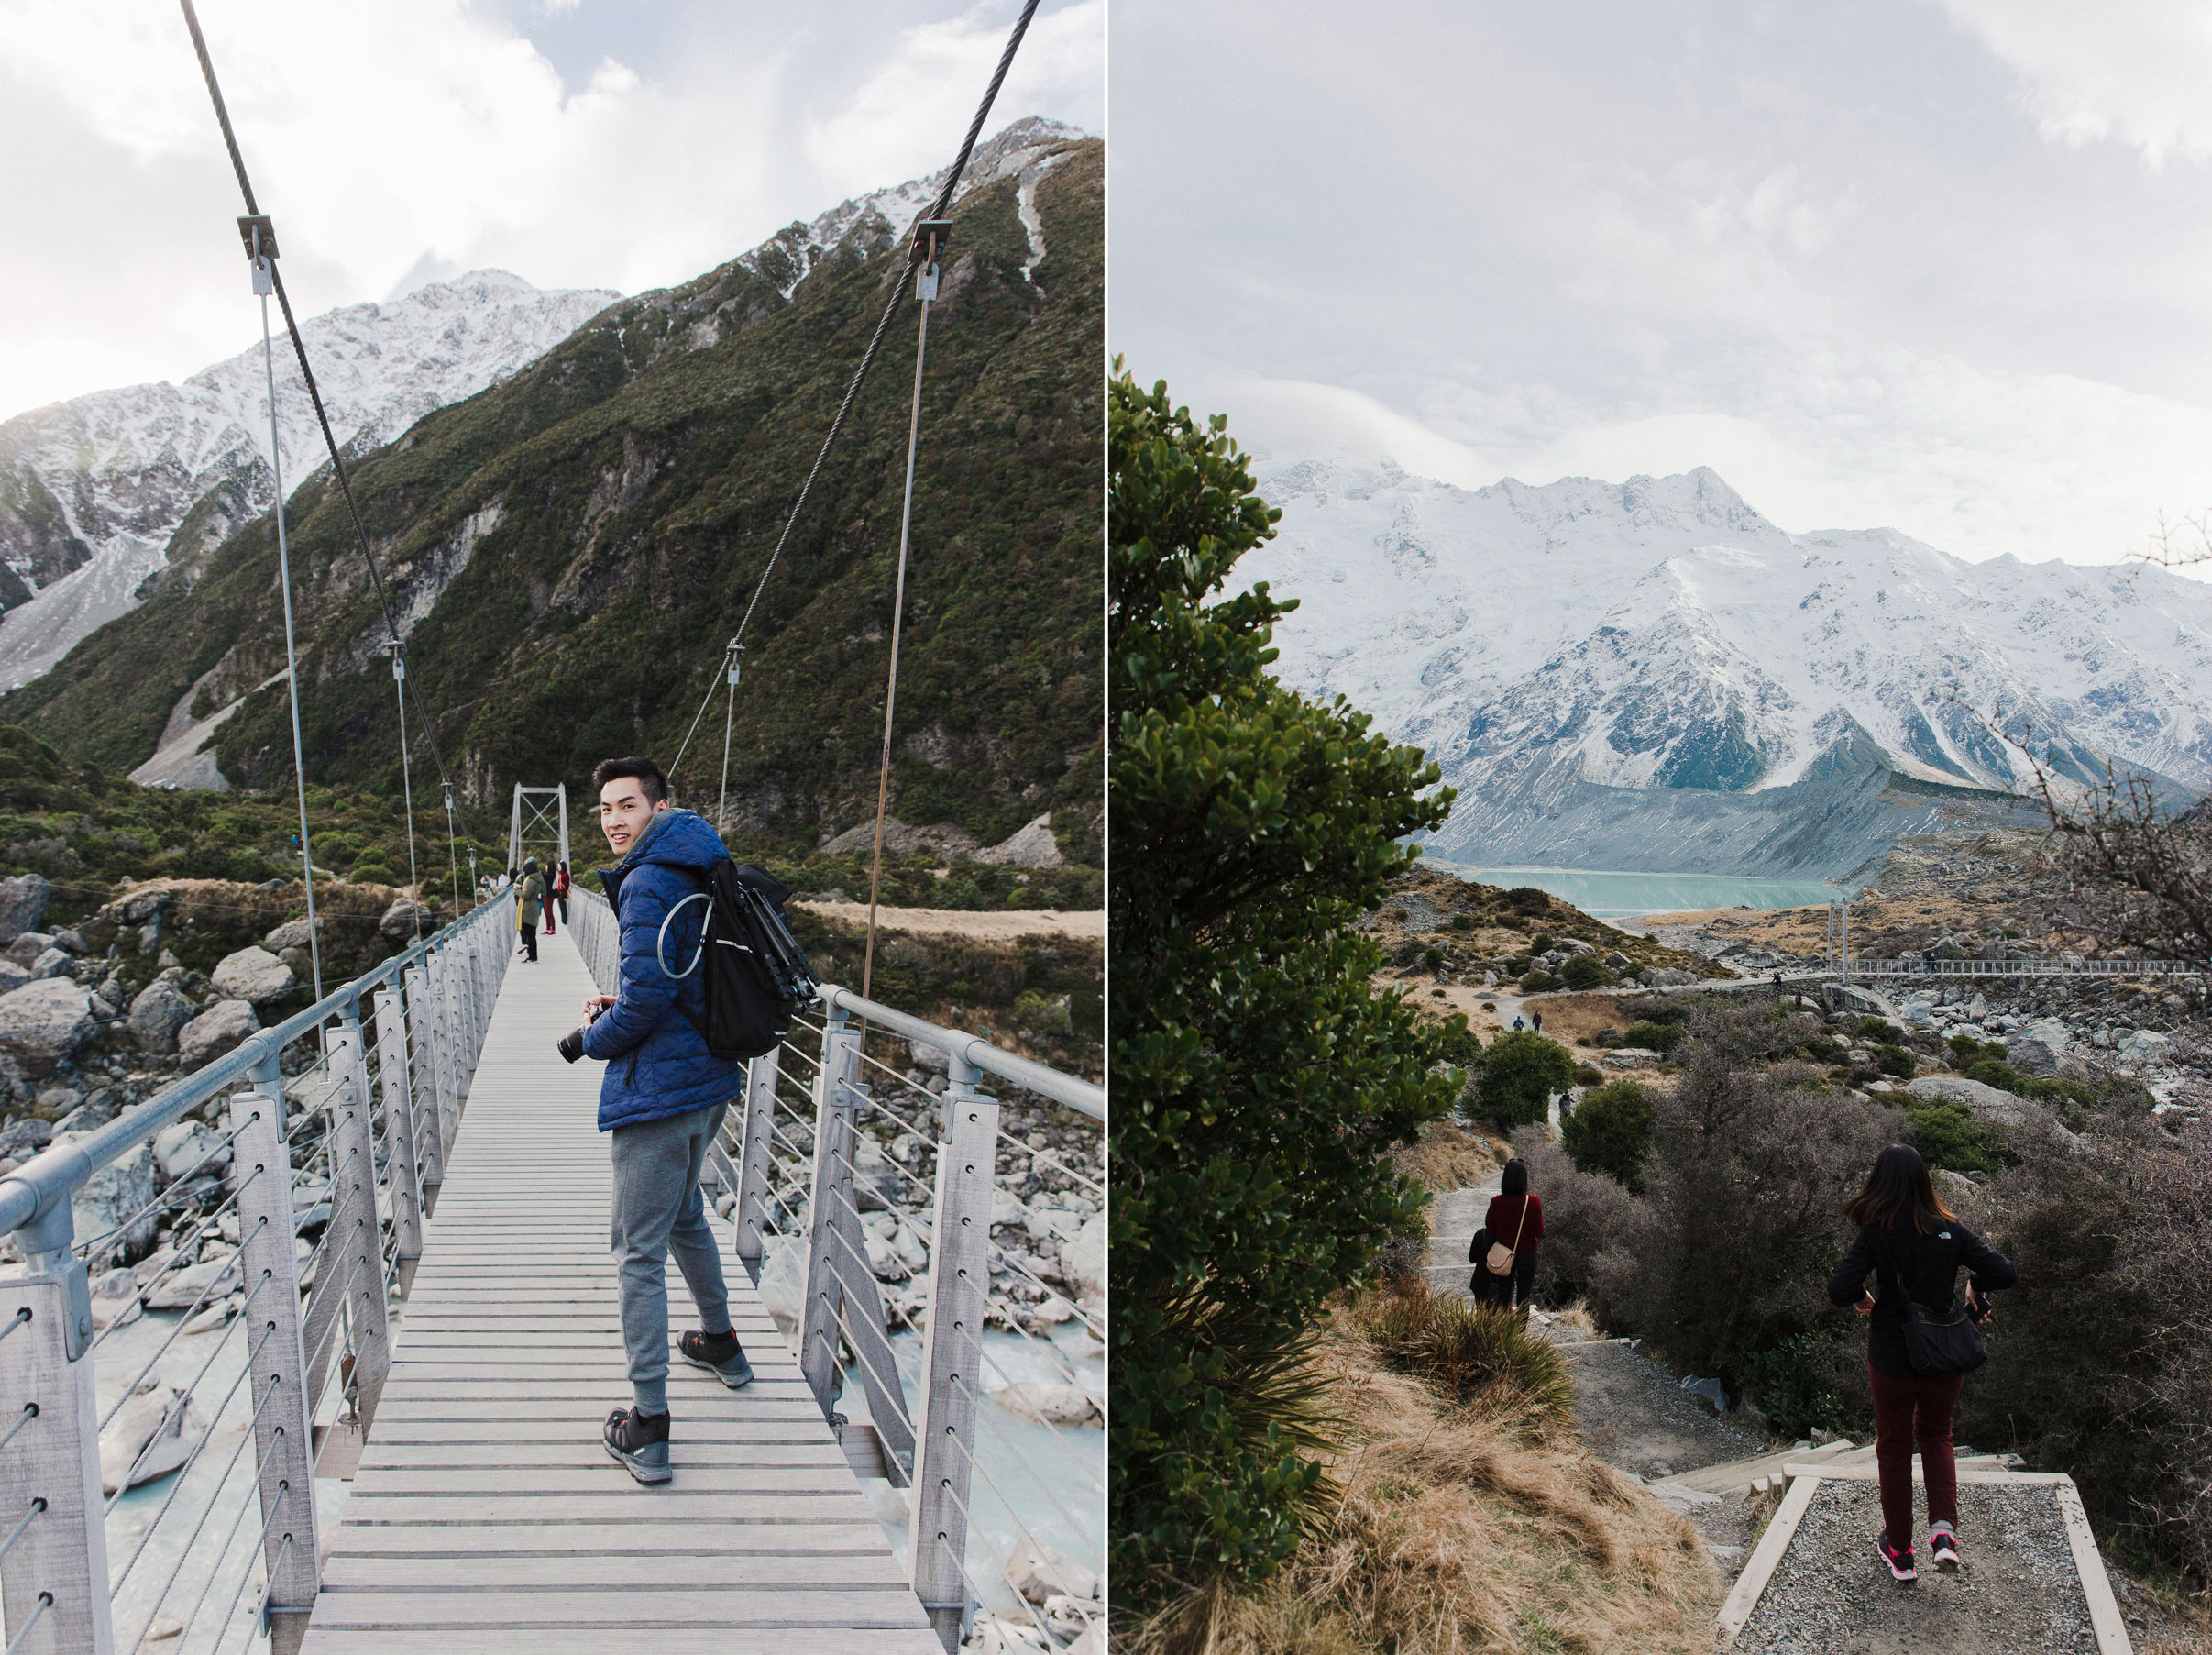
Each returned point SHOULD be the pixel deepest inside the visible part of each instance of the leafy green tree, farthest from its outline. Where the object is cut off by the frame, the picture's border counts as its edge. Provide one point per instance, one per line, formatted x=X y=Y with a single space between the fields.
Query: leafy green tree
x=1583 y=973
x=1257 y=1077
x=1519 y=1072
x=1610 y=1132
x=1654 y=1037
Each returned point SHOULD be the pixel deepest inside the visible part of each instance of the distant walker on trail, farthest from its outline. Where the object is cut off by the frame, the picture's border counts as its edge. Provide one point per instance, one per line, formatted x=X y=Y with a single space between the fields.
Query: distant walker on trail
x=661 y=1102
x=1921 y=1344
x=529 y=897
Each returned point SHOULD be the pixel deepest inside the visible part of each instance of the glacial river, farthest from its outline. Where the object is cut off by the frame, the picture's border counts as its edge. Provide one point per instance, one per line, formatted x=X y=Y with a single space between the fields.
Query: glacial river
x=1620 y=895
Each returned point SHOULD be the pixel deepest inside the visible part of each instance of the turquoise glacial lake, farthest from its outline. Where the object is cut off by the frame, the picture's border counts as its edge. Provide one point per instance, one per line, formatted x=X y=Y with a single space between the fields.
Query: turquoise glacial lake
x=1612 y=895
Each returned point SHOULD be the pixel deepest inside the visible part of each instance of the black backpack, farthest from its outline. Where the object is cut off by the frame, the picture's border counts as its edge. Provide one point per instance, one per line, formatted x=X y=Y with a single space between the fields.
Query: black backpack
x=755 y=974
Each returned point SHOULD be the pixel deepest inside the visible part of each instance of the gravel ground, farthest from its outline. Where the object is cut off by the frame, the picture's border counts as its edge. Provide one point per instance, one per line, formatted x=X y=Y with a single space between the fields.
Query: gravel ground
x=2016 y=1590
x=1633 y=1413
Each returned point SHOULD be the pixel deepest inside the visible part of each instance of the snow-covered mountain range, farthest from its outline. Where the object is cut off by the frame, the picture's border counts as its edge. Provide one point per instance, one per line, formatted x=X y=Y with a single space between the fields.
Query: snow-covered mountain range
x=92 y=490
x=1652 y=676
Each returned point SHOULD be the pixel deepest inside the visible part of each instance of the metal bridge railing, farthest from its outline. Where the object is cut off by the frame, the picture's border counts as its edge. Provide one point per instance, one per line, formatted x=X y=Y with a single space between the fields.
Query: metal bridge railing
x=844 y=1176
x=169 y=1387
x=1858 y=965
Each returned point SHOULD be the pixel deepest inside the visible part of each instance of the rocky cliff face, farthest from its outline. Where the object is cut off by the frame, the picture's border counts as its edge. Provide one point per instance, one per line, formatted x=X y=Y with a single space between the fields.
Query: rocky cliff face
x=104 y=495
x=569 y=550
x=1651 y=675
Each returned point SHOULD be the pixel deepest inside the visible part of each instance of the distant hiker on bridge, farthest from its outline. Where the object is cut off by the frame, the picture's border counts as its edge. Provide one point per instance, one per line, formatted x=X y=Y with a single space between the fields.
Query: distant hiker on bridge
x=1921 y=1344
x=1504 y=1249
x=560 y=895
x=529 y=897
x=662 y=1107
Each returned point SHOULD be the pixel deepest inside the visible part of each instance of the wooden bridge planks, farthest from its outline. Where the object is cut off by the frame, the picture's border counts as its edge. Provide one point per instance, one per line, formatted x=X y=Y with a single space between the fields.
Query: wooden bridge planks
x=486 y=1515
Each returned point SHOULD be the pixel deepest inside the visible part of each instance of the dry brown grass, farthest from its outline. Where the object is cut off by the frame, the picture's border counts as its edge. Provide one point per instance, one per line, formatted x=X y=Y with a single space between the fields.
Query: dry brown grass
x=1451 y=1156
x=1459 y=1531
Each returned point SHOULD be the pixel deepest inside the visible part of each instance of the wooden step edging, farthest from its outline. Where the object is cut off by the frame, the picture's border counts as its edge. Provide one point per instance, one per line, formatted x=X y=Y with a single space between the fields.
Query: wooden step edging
x=1804 y=1480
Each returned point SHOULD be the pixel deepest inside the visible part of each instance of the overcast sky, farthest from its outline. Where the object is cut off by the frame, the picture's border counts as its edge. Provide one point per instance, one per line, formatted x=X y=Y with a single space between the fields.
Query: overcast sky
x=577 y=143
x=1942 y=265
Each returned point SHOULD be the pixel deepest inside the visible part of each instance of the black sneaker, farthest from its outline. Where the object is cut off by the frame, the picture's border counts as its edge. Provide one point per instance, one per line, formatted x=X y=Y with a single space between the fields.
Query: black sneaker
x=1944 y=1549
x=723 y=1357
x=641 y=1442
x=1901 y=1569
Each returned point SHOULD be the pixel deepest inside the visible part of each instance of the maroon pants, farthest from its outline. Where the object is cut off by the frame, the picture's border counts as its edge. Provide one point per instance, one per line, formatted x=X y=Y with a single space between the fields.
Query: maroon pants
x=1909 y=1413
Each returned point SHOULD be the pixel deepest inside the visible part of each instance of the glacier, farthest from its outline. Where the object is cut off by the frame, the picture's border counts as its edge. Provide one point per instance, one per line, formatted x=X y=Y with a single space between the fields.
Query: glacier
x=1653 y=674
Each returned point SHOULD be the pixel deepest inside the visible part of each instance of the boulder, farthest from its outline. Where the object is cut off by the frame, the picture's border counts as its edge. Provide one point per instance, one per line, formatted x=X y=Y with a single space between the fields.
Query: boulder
x=2036 y=1049
x=185 y=1146
x=23 y=905
x=151 y=1436
x=216 y=1030
x=118 y=1192
x=91 y=1115
x=1988 y=1104
x=929 y=1059
x=1083 y=1260
x=181 y=1290
x=41 y=1023
x=1052 y=1404
x=1032 y=845
x=53 y=962
x=27 y=946
x=1039 y=1572
x=1667 y=976
x=253 y=975
x=159 y=1012
x=1632 y=1057
x=293 y=933
x=12 y=977
x=2145 y=1045
x=116 y=1299
x=25 y=1136
x=400 y=920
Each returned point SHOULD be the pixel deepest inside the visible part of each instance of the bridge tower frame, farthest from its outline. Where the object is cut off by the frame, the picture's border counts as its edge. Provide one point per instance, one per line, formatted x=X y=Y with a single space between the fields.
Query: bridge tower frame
x=540 y=814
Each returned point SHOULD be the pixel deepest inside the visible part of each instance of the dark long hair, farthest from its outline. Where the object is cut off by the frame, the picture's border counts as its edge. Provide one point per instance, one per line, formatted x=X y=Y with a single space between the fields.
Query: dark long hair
x=1898 y=1194
x=1516 y=1181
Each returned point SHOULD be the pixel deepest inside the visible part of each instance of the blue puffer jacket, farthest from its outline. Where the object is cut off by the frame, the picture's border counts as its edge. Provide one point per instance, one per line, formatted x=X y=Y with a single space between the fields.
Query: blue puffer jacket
x=657 y=1063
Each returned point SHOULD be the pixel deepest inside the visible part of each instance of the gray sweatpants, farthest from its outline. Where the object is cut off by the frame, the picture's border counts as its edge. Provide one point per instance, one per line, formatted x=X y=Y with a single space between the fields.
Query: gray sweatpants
x=658 y=1210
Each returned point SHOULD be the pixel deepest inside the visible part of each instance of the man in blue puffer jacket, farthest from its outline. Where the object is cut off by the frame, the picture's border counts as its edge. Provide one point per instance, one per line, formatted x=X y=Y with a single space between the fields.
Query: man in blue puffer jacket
x=661 y=1100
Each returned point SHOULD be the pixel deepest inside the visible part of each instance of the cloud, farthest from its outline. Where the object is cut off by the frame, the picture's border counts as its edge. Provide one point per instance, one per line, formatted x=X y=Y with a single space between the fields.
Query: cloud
x=2130 y=72
x=419 y=136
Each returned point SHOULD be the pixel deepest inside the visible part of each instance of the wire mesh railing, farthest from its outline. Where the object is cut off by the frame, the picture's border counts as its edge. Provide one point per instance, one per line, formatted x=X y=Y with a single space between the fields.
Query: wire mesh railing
x=936 y=1259
x=171 y=1385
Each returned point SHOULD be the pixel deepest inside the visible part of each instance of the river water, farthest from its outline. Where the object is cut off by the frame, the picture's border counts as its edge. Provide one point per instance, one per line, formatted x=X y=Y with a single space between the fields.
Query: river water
x=1618 y=894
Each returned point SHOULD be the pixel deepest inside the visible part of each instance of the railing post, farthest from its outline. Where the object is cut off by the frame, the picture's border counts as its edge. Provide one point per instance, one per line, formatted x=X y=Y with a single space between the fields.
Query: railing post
x=351 y=1278
x=54 y=1578
x=755 y=1149
x=423 y=1073
x=442 y=1038
x=460 y=1047
x=960 y=1277
x=283 y=1443
x=399 y=1169
x=819 y=1331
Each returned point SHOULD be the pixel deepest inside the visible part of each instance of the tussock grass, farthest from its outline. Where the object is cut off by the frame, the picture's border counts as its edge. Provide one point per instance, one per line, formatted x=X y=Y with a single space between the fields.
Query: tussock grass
x=1471 y=1354
x=1458 y=1529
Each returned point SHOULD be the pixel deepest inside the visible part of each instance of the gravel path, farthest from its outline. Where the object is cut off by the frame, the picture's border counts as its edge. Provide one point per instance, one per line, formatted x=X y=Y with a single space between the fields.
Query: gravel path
x=1634 y=1414
x=2016 y=1590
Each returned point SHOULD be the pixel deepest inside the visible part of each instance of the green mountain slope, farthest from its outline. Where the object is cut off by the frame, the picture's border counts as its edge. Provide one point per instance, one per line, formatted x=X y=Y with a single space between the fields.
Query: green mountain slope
x=570 y=551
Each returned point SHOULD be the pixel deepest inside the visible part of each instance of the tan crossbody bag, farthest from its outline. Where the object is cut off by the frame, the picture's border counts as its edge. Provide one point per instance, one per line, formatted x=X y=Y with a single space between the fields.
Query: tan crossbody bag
x=1499 y=1260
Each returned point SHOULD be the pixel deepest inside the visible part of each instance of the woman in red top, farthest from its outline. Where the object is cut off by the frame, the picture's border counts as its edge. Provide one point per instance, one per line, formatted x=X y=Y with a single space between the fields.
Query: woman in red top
x=1516 y=1220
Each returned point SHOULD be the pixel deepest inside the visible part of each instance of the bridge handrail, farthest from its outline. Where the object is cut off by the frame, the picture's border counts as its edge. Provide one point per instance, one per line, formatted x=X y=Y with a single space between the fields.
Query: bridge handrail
x=358 y=1132
x=790 y=1172
x=30 y=1192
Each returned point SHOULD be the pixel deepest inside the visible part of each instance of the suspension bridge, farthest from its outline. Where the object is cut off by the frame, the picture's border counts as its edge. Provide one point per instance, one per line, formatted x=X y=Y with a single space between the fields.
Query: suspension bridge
x=370 y=1421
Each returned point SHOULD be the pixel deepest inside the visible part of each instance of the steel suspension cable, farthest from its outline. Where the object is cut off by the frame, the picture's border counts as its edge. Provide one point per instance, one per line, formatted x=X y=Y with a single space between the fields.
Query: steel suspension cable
x=937 y=211
x=299 y=344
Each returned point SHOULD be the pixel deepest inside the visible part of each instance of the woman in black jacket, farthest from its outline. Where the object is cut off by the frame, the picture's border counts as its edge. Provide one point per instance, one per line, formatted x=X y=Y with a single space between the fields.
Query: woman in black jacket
x=1913 y=1244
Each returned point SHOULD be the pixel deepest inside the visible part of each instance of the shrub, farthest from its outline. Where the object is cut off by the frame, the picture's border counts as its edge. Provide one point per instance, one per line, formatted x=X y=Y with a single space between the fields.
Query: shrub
x=1966 y=1049
x=1584 y=973
x=1541 y=943
x=1876 y=1028
x=1539 y=982
x=372 y=873
x=1803 y=1381
x=1527 y=899
x=1458 y=1044
x=1610 y=1131
x=1589 y=1075
x=1947 y=1134
x=1463 y=922
x=1996 y=1072
x=1469 y=1353
x=1521 y=1071
x=1823 y=1050
x=1584 y=1215
x=1654 y=1037
x=1260 y=1079
x=1897 y=1060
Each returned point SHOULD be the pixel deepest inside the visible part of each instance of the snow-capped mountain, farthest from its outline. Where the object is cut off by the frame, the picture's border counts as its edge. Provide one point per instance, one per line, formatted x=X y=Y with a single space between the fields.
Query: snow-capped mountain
x=94 y=491
x=1651 y=675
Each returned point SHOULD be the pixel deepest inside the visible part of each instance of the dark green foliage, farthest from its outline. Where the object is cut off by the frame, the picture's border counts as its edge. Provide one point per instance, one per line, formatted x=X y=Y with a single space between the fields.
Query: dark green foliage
x=1803 y=1381
x=1654 y=1037
x=1527 y=899
x=1589 y=1075
x=1583 y=973
x=1823 y=1050
x=1876 y=1028
x=1463 y=922
x=1996 y=1072
x=1458 y=1044
x=1966 y=1049
x=1610 y=1131
x=1542 y=942
x=1432 y=958
x=598 y=522
x=1521 y=1071
x=1897 y=1060
x=1257 y=1077
x=1539 y=982
x=1946 y=1134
